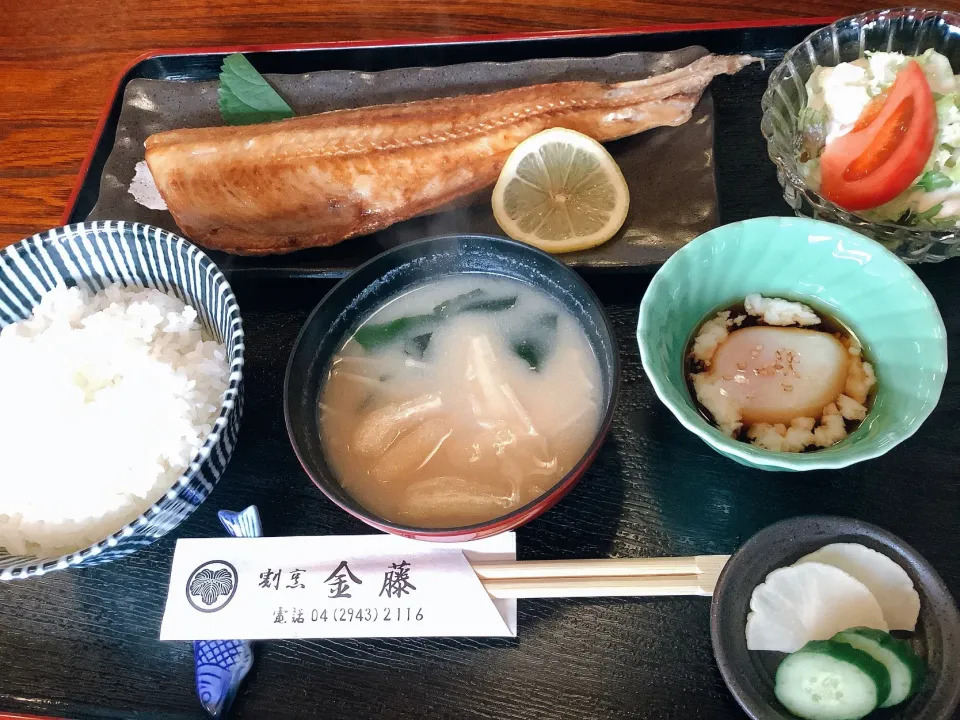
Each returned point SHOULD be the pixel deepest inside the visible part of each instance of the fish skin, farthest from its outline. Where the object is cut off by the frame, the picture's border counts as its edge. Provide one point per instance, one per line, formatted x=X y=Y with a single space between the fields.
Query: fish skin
x=317 y=180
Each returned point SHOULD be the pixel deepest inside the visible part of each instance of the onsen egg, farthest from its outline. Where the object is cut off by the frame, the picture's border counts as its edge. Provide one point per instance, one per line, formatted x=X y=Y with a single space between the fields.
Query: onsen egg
x=777 y=374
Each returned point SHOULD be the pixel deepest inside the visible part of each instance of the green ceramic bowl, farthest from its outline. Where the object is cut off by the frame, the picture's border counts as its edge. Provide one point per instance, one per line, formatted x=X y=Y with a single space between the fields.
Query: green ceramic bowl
x=831 y=268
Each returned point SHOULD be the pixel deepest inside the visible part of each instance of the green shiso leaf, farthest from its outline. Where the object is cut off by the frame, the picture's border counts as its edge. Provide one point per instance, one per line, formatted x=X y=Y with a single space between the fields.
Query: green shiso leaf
x=244 y=97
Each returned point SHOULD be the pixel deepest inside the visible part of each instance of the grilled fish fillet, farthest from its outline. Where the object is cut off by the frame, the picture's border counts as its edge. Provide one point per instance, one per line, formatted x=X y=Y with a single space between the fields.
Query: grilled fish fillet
x=317 y=180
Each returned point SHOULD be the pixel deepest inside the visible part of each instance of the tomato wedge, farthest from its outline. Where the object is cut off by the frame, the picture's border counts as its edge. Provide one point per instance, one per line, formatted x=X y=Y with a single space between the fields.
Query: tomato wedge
x=887 y=148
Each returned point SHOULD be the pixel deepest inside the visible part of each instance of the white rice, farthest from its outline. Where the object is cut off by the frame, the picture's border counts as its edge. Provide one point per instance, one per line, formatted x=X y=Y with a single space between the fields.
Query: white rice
x=106 y=399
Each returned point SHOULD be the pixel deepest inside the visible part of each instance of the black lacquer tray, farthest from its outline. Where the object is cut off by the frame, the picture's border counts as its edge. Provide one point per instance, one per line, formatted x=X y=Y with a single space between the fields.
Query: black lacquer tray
x=83 y=644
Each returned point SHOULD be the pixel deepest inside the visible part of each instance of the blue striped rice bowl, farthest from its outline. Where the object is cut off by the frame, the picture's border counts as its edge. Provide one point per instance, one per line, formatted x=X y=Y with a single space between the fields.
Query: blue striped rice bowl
x=98 y=254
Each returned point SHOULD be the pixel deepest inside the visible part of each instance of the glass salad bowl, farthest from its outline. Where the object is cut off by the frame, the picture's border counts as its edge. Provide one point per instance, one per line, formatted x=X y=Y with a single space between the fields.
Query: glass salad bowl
x=910 y=31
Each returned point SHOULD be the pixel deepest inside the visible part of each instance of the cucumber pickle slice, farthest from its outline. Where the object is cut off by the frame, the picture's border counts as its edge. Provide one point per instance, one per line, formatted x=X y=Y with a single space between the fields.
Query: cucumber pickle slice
x=827 y=680
x=905 y=668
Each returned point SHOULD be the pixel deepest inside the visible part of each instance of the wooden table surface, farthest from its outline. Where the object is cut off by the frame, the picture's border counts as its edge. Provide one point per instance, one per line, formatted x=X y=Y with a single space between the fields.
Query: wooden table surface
x=59 y=60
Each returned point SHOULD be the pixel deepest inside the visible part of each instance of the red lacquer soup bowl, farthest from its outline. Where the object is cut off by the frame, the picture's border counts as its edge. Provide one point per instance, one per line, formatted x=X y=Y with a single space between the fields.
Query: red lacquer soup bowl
x=394 y=272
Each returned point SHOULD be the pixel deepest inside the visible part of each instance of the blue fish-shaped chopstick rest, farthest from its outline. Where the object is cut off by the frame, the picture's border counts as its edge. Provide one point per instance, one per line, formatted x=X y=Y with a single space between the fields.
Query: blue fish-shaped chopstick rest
x=221 y=665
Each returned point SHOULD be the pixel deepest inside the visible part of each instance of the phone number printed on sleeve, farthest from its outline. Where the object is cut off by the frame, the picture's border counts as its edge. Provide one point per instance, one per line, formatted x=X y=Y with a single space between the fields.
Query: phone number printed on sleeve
x=367 y=614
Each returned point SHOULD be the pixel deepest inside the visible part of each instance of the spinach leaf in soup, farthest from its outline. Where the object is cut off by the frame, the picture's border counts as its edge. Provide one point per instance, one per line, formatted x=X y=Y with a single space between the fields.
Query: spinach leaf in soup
x=377 y=335
x=373 y=336
x=474 y=301
x=535 y=341
x=416 y=347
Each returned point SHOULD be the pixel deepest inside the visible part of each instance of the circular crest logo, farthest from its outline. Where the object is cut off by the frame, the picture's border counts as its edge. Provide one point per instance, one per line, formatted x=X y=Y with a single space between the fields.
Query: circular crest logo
x=211 y=586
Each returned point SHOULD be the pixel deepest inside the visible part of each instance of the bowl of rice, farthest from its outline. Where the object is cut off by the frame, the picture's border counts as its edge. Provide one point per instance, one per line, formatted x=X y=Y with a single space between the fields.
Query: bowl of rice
x=121 y=355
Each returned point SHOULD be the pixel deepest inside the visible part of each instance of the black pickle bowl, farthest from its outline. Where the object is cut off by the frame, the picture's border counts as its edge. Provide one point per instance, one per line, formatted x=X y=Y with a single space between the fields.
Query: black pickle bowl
x=750 y=675
x=400 y=269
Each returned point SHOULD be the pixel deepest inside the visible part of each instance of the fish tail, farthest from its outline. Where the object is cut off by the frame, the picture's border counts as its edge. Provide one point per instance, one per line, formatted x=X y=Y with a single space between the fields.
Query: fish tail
x=245 y=523
x=691 y=79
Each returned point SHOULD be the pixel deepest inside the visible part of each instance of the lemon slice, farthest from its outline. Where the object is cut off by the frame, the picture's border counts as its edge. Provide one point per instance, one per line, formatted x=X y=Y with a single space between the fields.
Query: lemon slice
x=561 y=191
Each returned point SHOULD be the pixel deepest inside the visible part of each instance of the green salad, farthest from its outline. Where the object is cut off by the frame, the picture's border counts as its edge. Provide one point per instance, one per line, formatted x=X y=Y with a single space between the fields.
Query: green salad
x=837 y=98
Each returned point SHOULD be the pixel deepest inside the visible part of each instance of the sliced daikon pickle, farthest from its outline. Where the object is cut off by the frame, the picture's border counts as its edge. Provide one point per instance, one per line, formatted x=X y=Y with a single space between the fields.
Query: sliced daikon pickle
x=888 y=582
x=805 y=602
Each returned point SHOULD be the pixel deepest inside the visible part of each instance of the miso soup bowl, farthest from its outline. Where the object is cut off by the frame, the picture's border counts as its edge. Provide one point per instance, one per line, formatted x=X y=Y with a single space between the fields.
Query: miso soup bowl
x=403 y=268
x=838 y=272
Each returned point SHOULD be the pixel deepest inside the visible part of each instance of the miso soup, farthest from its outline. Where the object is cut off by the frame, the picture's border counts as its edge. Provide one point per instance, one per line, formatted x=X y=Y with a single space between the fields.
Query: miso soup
x=459 y=401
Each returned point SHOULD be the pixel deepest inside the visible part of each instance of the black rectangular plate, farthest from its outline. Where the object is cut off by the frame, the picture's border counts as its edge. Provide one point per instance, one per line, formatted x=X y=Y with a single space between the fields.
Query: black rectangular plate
x=735 y=99
x=663 y=216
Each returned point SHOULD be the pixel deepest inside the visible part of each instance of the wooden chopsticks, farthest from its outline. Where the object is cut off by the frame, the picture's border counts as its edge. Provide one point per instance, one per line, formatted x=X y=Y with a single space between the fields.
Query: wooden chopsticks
x=629 y=577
